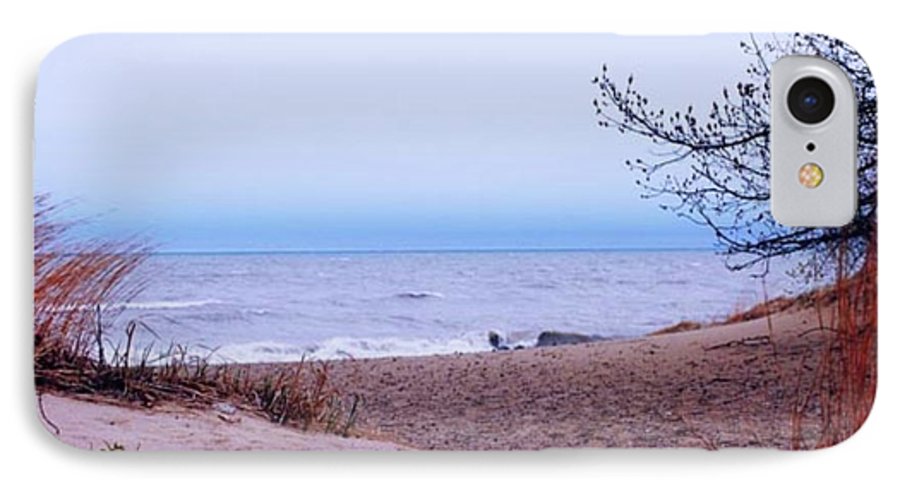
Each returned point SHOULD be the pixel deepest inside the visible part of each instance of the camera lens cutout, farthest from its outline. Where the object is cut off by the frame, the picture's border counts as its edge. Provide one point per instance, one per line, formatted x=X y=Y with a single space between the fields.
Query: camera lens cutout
x=810 y=100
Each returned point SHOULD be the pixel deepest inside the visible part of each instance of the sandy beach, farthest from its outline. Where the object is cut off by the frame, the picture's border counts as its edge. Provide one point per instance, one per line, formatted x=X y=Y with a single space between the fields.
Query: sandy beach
x=727 y=385
x=711 y=387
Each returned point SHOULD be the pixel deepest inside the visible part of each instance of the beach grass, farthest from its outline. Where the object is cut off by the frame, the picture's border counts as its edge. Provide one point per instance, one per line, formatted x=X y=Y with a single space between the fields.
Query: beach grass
x=74 y=281
x=843 y=389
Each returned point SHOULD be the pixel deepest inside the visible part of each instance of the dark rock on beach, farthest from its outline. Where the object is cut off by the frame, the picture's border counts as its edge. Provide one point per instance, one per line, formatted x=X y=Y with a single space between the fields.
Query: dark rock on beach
x=496 y=341
x=547 y=338
x=552 y=337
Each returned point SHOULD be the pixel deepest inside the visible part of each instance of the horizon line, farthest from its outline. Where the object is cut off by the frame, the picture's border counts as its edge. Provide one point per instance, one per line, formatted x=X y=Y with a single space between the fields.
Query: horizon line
x=428 y=250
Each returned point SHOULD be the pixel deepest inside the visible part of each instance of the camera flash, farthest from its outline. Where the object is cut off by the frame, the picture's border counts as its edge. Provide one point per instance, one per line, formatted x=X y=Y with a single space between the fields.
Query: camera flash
x=811 y=175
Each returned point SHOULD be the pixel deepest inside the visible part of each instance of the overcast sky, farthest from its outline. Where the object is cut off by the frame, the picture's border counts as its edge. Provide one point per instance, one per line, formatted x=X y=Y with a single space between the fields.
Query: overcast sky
x=310 y=142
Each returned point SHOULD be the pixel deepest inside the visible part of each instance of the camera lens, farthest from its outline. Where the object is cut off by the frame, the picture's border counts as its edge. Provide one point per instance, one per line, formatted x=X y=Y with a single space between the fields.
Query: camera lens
x=810 y=100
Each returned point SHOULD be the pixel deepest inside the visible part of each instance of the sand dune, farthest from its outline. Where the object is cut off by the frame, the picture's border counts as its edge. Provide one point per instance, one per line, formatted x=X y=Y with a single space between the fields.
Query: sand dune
x=94 y=425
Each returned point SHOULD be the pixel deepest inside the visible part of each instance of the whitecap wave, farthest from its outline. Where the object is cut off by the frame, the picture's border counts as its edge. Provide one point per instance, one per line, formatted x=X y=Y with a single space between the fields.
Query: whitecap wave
x=142 y=305
x=351 y=347
x=166 y=305
x=419 y=295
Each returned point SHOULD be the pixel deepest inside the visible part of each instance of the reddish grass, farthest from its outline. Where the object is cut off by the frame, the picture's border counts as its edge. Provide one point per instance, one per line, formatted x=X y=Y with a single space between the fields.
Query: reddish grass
x=76 y=285
x=73 y=281
x=844 y=386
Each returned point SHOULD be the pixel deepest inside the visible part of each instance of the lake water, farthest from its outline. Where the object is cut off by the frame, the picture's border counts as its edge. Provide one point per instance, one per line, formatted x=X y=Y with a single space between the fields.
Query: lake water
x=284 y=306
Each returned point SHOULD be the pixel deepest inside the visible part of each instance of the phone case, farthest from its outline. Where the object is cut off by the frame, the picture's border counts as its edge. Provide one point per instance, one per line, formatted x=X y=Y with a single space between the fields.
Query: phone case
x=438 y=241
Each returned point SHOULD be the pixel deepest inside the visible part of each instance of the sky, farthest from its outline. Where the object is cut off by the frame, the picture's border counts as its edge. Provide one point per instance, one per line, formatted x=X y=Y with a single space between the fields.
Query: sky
x=361 y=142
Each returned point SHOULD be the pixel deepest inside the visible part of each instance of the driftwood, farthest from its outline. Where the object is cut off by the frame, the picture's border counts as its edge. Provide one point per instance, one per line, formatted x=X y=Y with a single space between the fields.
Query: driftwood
x=745 y=342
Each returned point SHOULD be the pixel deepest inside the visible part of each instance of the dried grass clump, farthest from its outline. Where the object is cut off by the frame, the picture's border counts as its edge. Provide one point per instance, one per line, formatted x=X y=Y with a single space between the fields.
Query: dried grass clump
x=76 y=287
x=73 y=282
x=302 y=393
x=763 y=309
x=683 y=326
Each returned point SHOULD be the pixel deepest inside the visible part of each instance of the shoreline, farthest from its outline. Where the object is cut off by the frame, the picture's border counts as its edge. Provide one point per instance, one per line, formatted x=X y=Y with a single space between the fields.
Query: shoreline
x=681 y=388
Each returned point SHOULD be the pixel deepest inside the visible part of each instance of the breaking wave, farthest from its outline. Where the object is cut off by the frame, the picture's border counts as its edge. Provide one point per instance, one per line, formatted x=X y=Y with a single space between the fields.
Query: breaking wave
x=350 y=347
x=419 y=295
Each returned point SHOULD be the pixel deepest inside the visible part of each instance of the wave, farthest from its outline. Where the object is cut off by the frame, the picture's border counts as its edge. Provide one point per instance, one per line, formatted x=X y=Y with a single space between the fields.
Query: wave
x=368 y=348
x=166 y=305
x=255 y=311
x=352 y=348
x=142 y=305
x=419 y=295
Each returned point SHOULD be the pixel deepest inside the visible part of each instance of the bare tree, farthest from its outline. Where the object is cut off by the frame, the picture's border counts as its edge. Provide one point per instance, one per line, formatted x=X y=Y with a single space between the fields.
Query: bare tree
x=713 y=169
